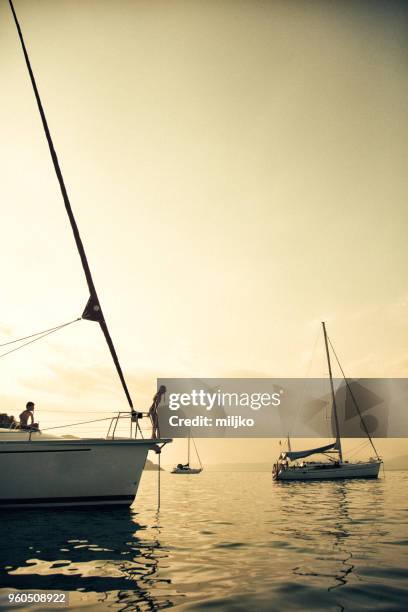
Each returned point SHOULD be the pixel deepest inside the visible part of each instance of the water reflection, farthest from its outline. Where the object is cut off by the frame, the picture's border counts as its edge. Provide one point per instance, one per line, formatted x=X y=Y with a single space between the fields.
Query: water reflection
x=341 y=533
x=327 y=514
x=336 y=538
x=102 y=552
x=224 y=540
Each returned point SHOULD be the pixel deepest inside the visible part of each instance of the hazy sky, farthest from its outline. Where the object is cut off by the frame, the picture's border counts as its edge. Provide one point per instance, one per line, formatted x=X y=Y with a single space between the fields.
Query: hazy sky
x=238 y=170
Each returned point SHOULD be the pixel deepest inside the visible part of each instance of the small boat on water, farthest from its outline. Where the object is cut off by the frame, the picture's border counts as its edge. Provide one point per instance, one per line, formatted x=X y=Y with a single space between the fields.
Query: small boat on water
x=40 y=470
x=184 y=468
x=291 y=465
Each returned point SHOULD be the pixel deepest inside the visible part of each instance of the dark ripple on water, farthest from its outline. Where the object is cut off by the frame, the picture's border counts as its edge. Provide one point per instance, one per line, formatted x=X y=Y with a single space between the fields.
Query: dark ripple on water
x=221 y=542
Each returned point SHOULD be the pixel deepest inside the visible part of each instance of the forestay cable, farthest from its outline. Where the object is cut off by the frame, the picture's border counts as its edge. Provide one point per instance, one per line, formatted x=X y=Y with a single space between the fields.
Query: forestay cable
x=354 y=399
x=93 y=309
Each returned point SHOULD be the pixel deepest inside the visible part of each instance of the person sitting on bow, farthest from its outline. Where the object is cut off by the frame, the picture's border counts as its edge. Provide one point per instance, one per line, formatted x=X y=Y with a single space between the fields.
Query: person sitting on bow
x=26 y=416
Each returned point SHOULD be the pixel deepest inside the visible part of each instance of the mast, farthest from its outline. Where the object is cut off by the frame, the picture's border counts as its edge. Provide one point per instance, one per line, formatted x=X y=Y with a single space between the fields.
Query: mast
x=336 y=420
x=93 y=309
x=188 y=449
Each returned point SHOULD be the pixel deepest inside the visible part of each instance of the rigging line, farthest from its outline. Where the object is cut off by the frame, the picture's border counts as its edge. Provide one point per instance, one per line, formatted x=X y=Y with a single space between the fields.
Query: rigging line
x=158 y=481
x=198 y=456
x=51 y=329
x=81 y=423
x=38 y=338
x=74 y=227
x=359 y=445
x=357 y=449
x=353 y=398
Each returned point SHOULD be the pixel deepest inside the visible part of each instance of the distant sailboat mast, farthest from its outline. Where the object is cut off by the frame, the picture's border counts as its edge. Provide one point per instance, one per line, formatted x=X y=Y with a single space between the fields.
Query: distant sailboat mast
x=93 y=309
x=336 y=420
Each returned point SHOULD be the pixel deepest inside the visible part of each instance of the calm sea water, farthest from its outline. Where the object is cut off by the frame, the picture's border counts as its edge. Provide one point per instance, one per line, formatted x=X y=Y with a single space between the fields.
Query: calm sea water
x=222 y=541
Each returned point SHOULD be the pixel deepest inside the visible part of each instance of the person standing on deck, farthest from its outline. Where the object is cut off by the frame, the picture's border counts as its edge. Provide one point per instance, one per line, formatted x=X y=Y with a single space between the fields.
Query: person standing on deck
x=153 y=412
x=28 y=415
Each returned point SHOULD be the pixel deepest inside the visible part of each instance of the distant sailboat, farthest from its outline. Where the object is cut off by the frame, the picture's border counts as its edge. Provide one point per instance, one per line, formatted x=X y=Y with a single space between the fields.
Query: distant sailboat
x=184 y=468
x=288 y=466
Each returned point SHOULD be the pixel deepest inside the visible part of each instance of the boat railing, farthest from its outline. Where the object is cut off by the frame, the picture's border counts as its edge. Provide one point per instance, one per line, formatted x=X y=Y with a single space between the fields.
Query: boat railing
x=121 y=425
x=134 y=419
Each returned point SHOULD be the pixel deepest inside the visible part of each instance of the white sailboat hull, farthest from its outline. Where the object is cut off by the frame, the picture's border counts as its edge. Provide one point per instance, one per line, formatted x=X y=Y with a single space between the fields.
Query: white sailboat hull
x=326 y=472
x=80 y=472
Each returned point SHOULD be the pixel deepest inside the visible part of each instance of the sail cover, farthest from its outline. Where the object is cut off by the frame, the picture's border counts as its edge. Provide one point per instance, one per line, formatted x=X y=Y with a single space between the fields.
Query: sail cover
x=292 y=455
